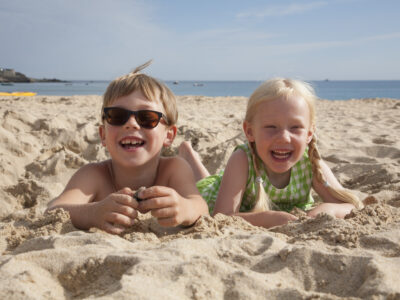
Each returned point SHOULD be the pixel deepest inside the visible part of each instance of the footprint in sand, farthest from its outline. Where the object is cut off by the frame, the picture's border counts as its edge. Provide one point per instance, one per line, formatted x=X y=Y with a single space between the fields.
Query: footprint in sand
x=382 y=140
x=87 y=279
x=382 y=242
x=365 y=177
x=334 y=158
x=383 y=152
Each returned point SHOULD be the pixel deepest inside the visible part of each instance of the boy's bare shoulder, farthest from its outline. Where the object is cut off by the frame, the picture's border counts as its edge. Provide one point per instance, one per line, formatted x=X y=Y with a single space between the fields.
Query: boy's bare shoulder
x=94 y=170
x=173 y=162
x=171 y=167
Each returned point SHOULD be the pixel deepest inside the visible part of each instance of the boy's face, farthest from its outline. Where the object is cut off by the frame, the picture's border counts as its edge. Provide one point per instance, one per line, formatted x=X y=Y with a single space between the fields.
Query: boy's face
x=130 y=144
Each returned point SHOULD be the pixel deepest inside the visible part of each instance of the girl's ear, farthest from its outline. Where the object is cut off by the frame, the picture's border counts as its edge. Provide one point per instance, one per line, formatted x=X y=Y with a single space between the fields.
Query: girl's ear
x=310 y=134
x=102 y=133
x=171 y=133
x=248 y=131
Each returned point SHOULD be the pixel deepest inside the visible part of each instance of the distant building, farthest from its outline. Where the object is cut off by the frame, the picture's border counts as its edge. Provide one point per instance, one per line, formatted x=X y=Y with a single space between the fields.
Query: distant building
x=7 y=72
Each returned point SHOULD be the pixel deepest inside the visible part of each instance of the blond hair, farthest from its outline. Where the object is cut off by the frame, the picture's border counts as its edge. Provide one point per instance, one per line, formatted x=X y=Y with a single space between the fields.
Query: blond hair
x=284 y=88
x=150 y=87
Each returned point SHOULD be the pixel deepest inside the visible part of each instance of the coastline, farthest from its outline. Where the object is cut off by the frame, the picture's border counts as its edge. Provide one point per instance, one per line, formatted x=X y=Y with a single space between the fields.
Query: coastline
x=331 y=90
x=46 y=138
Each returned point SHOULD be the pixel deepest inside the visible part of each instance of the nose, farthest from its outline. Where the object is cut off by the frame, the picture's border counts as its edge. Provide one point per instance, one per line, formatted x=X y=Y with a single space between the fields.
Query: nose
x=284 y=135
x=131 y=123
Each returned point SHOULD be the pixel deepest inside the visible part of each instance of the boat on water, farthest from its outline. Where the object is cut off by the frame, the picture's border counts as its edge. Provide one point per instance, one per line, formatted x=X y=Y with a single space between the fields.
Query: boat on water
x=7 y=83
x=25 y=94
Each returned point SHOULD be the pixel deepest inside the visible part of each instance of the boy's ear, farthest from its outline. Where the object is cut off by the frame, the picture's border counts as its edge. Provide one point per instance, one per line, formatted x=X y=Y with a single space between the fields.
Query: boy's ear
x=248 y=131
x=102 y=134
x=171 y=134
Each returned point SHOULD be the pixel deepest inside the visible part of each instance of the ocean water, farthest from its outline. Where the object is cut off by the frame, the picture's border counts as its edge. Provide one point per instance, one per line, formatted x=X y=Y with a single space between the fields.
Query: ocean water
x=331 y=90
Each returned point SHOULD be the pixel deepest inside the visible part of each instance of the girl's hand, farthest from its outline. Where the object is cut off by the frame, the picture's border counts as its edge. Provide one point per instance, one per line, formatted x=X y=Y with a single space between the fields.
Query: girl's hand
x=277 y=218
x=338 y=210
x=165 y=204
x=267 y=219
x=116 y=212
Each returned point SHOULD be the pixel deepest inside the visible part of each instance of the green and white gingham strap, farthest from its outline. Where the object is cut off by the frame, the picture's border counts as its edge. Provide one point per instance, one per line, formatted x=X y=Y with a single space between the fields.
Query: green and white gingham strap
x=296 y=193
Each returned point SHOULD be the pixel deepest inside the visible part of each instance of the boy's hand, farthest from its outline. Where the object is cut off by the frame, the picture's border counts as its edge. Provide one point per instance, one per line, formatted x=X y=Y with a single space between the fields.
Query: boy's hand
x=116 y=212
x=170 y=208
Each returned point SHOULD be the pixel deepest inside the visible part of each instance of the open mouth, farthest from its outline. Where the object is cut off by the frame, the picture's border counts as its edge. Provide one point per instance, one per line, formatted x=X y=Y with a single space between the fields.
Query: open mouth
x=281 y=154
x=131 y=143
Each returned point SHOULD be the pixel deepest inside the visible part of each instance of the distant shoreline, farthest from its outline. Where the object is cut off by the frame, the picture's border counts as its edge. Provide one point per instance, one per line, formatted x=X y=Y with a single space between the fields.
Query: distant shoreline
x=332 y=90
x=11 y=76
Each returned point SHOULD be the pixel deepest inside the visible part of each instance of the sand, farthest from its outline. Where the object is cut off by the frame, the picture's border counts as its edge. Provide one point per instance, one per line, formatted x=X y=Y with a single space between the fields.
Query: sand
x=44 y=140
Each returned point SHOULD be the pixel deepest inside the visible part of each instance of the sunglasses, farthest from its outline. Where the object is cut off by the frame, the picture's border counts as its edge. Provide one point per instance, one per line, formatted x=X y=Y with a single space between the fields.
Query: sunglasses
x=118 y=116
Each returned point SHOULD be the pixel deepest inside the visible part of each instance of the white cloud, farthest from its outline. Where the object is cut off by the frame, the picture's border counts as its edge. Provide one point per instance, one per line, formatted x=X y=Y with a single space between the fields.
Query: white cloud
x=229 y=37
x=282 y=10
x=381 y=37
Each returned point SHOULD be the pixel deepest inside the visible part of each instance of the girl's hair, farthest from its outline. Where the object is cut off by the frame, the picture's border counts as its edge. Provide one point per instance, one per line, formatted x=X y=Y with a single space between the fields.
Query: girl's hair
x=284 y=88
x=150 y=87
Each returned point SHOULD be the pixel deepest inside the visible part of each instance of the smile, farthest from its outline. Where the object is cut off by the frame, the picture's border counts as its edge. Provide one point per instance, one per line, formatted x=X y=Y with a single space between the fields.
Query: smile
x=130 y=143
x=281 y=154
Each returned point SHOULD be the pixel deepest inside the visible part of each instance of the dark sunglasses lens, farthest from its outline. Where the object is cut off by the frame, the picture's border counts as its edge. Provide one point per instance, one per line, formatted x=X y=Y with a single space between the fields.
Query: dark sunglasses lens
x=117 y=116
x=147 y=119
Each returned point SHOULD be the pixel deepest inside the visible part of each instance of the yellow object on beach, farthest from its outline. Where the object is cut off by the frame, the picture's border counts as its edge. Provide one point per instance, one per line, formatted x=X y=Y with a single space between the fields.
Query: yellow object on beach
x=17 y=94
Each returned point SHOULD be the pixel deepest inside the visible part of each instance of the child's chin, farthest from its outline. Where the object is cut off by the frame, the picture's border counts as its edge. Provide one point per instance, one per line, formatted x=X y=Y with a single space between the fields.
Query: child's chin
x=280 y=168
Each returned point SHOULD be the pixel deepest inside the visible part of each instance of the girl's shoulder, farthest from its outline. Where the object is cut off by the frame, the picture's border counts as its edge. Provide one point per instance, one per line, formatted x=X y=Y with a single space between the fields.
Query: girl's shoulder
x=245 y=147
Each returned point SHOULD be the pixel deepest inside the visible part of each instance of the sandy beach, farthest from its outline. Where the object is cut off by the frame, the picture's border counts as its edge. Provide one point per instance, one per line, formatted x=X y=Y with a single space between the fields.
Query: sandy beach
x=45 y=139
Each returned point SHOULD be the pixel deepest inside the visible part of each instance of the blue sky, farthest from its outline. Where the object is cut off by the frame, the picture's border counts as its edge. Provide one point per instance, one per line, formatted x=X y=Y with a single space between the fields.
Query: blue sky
x=202 y=40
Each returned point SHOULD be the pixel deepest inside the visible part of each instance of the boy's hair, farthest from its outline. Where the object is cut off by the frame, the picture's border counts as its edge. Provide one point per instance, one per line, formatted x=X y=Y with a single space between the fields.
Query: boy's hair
x=283 y=87
x=150 y=87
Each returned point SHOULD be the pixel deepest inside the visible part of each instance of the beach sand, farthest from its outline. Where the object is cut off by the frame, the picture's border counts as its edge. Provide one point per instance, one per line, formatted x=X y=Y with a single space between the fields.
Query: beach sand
x=45 y=139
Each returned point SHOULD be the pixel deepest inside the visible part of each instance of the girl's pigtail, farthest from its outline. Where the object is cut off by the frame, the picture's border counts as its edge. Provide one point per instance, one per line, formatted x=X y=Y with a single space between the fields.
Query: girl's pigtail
x=263 y=203
x=340 y=194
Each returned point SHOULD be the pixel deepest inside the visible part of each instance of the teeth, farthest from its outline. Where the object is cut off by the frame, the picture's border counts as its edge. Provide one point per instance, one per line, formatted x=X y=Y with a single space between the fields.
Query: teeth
x=281 y=152
x=131 y=142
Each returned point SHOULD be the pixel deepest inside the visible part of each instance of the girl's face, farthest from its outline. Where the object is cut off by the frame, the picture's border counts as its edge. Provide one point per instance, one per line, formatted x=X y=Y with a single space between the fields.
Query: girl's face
x=281 y=130
x=131 y=145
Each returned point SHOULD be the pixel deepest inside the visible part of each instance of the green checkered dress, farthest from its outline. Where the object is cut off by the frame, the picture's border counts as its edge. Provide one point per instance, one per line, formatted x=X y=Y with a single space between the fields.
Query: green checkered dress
x=296 y=194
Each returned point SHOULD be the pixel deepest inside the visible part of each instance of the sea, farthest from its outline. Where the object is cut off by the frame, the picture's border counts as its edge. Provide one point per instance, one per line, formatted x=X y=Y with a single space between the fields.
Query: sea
x=325 y=89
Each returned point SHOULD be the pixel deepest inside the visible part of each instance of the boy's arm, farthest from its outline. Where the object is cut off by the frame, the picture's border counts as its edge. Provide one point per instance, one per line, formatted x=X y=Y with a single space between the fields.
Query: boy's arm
x=231 y=191
x=177 y=203
x=110 y=214
x=76 y=197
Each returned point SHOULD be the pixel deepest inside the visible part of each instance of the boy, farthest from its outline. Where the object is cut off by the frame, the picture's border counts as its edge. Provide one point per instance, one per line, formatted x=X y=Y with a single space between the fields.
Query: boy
x=139 y=117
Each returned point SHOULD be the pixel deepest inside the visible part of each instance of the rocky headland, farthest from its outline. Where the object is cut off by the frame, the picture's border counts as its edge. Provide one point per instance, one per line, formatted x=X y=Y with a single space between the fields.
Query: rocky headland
x=9 y=75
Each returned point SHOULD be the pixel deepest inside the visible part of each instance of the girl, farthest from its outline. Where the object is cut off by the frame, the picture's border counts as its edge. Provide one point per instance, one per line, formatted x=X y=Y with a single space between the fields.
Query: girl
x=275 y=170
